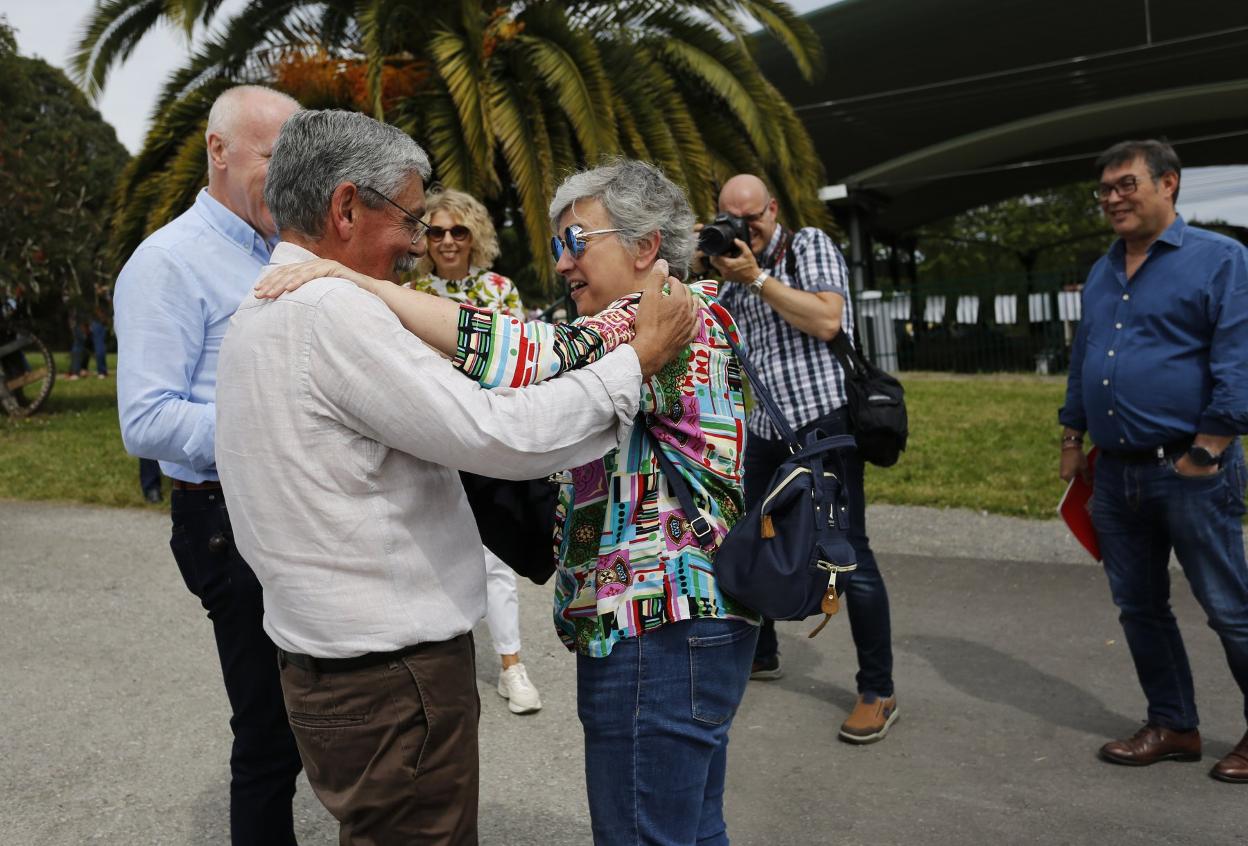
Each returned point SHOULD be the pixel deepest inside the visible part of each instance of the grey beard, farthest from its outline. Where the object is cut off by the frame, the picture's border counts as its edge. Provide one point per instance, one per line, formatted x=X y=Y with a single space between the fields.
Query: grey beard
x=406 y=264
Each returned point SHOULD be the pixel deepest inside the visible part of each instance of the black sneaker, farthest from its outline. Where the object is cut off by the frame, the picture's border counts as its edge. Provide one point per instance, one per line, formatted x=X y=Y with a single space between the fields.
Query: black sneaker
x=766 y=669
x=153 y=495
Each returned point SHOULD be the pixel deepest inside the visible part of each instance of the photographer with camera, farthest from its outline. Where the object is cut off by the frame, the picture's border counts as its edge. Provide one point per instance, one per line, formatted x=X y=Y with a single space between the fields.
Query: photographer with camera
x=789 y=294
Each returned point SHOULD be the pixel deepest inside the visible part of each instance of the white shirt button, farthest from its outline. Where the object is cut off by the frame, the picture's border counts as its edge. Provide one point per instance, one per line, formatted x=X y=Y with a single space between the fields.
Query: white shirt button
x=1122 y=440
x=1126 y=296
x=1106 y=382
x=1111 y=353
x=1111 y=412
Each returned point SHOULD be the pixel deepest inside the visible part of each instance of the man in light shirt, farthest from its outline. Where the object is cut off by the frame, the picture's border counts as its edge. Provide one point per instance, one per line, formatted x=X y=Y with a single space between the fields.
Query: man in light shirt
x=172 y=302
x=339 y=437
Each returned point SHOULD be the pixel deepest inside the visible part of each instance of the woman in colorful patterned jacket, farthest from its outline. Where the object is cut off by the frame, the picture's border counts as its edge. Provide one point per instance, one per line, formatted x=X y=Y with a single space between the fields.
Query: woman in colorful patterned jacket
x=462 y=244
x=663 y=655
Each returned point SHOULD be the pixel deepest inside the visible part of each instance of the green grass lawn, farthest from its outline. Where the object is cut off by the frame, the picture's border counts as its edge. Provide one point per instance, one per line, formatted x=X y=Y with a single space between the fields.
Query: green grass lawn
x=984 y=442
x=71 y=449
x=989 y=443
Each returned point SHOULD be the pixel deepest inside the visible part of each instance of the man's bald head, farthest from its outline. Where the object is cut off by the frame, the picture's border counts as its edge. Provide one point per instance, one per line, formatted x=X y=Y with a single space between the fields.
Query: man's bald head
x=746 y=196
x=744 y=188
x=242 y=126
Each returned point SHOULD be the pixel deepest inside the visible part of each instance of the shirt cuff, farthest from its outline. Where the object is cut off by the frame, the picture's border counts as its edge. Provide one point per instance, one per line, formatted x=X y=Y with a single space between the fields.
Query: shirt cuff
x=1072 y=419
x=199 y=447
x=1211 y=424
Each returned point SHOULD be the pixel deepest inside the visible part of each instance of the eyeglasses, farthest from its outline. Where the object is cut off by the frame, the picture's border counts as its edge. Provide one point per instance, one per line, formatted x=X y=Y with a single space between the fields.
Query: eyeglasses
x=419 y=227
x=1125 y=188
x=752 y=218
x=459 y=232
x=574 y=240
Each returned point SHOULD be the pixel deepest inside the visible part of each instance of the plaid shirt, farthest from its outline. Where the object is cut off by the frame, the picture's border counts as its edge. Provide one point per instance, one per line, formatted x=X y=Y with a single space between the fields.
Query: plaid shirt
x=799 y=370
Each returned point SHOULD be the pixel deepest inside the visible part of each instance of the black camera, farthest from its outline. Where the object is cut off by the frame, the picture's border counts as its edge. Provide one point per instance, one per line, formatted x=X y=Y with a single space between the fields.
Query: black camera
x=716 y=238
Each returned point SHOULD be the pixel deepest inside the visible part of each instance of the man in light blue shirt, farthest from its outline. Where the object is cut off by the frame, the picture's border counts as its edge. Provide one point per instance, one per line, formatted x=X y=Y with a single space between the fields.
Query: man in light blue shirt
x=173 y=301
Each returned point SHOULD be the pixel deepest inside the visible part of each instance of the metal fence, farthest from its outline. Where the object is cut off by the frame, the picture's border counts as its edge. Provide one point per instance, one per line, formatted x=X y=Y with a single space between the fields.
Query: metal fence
x=979 y=325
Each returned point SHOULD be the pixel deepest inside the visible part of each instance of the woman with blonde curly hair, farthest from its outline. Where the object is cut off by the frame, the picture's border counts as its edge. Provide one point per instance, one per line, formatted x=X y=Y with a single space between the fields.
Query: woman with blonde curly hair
x=462 y=247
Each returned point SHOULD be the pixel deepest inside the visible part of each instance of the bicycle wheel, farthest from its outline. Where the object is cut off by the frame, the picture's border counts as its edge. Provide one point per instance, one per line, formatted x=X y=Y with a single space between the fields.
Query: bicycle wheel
x=29 y=372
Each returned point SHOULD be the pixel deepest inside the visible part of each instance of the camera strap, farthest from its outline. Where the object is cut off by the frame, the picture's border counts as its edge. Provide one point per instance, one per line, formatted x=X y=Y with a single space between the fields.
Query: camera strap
x=784 y=255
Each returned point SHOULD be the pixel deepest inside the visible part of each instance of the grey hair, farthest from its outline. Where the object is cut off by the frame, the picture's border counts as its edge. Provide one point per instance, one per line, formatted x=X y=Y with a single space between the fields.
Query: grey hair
x=229 y=108
x=317 y=151
x=639 y=200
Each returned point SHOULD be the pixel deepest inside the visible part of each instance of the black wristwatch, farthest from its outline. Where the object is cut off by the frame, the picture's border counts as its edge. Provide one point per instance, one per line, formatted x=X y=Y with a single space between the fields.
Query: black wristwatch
x=1201 y=456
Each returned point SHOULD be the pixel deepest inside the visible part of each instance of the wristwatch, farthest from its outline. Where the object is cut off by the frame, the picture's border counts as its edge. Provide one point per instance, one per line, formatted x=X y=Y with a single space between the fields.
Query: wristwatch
x=1201 y=456
x=757 y=285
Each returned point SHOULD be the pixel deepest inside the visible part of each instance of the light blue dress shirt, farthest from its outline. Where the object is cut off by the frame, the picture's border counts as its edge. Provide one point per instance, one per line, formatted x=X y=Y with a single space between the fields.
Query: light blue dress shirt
x=173 y=302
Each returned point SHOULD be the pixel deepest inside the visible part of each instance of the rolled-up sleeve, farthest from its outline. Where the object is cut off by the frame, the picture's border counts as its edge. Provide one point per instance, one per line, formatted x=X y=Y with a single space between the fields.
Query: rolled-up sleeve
x=1227 y=412
x=160 y=336
x=1072 y=414
x=374 y=377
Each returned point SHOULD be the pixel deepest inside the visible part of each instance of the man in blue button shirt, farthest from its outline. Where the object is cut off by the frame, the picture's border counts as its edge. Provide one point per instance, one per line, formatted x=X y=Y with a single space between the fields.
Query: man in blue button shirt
x=1159 y=380
x=173 y=302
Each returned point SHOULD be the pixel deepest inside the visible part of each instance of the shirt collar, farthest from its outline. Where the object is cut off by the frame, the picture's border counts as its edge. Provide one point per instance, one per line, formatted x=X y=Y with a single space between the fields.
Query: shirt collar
x=1173 y=236
x=770 y=250
x=288 y=253
x=233 y=227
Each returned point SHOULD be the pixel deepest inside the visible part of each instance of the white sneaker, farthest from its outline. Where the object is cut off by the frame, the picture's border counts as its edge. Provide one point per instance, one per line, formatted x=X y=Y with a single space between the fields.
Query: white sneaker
x=515 y=687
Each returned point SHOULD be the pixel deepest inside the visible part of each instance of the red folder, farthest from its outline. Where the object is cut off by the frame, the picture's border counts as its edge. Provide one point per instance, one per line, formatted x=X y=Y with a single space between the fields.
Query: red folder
x=1074 y=509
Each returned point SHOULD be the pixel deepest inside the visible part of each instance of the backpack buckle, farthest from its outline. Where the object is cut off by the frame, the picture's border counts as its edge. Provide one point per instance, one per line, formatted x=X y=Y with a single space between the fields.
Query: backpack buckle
x=701 y=528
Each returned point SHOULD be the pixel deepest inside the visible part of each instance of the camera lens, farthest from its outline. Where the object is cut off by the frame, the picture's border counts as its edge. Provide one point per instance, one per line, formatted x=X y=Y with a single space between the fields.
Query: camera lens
x=716 y=239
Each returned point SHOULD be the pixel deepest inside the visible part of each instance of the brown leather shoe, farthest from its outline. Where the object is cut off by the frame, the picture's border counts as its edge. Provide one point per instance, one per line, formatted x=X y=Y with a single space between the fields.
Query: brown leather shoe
x=1234 y=767
x=1152 y=744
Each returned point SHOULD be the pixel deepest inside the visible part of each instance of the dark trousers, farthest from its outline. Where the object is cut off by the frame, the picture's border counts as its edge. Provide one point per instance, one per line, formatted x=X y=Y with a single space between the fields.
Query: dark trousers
x=1141 y=512
x=149 y=474
x=264 y=760
x=865 y=595
x=391 y=750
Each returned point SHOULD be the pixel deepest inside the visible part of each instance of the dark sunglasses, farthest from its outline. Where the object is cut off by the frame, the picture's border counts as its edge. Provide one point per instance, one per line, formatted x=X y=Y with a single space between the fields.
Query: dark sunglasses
x=574 y=240
x=459 y=232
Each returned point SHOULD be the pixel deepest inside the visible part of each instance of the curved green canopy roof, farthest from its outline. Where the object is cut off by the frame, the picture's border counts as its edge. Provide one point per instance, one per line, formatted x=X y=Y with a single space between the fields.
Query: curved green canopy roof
x=928 y=108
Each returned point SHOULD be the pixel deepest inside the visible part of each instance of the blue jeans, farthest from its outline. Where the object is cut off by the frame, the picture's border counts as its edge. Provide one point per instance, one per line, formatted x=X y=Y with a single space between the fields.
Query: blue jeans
x=869 y=619
x=656 y=714
x=1141 y=512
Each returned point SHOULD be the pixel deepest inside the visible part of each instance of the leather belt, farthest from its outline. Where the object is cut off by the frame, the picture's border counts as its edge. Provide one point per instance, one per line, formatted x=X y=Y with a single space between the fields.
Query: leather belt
x=344 y=665
x=179 y=485
x=1144 y=456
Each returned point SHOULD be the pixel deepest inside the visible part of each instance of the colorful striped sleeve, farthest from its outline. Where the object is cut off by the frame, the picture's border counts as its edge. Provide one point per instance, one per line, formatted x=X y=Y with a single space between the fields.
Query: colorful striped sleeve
x=498 y=350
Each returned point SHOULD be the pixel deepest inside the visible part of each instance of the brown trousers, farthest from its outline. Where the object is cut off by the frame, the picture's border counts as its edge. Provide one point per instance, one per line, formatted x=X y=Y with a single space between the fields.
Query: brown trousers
x=391 y=750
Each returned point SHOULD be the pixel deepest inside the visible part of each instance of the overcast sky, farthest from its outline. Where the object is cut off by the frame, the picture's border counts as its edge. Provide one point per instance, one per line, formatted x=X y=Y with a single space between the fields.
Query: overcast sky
x=50 y=28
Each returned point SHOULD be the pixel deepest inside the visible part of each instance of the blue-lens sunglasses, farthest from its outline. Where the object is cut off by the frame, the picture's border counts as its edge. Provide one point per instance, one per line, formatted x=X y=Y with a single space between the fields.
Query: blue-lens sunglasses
x=574 y=239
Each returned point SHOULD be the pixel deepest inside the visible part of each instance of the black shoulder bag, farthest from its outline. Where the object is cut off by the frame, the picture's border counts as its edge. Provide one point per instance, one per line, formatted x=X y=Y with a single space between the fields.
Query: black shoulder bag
x=516 y=521
x=877 y=406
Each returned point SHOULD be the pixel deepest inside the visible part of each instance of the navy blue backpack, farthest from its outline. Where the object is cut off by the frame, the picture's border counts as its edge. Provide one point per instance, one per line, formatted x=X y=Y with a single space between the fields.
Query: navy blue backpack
x=783 y=557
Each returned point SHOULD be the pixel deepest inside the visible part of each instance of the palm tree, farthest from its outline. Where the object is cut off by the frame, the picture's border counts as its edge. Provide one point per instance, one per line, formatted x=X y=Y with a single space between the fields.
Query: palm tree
x=506 y=97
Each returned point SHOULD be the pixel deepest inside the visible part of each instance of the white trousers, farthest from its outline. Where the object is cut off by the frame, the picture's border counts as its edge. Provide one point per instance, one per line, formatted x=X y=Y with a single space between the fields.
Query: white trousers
x=502 y=605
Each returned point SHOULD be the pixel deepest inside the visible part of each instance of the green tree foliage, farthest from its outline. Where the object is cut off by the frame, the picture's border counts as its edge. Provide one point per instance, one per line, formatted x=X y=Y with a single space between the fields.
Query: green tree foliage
x=1054 y=229
x=59 y=162
x=507 y=97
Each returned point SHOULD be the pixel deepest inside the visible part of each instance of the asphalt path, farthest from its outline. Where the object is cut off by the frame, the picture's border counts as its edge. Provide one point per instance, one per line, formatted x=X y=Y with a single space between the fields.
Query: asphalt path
x=1010 y=670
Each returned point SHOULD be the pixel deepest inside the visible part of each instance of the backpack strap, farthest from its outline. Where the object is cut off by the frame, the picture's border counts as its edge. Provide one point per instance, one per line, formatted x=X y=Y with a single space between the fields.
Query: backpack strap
x=702 y=530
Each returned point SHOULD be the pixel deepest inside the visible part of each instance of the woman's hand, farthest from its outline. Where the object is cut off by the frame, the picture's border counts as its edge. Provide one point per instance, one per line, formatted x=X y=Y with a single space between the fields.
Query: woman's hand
x=288 y=277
